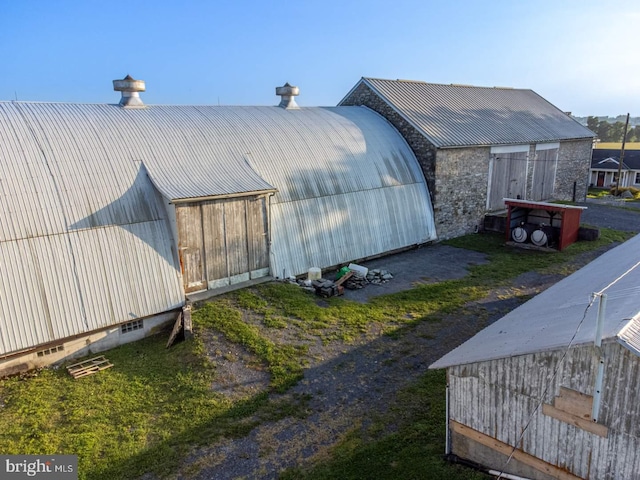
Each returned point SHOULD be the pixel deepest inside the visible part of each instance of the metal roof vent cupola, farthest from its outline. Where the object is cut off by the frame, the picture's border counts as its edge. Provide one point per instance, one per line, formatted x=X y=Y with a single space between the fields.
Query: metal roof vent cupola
x=130 y=88
x=287 y=93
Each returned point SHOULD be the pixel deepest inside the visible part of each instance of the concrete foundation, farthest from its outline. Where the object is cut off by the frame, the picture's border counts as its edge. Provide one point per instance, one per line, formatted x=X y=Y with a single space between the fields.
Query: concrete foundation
x=81 y=346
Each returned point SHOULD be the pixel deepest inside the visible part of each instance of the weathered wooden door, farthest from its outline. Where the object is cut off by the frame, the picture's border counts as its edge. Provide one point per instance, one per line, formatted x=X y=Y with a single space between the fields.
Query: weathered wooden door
x=189 y=221
x=215 y=244
x=258 y=234
x=544 y=173
x=508 y=178
x=223 y=242
x=235 y=224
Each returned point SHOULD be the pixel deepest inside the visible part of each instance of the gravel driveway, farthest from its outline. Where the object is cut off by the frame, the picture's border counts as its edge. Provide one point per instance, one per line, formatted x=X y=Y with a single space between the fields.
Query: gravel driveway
x=353 y=382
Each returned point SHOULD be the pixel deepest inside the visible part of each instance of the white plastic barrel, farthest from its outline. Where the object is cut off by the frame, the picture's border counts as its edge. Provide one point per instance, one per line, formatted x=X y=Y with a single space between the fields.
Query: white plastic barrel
x=314 y=273
x=359 y=269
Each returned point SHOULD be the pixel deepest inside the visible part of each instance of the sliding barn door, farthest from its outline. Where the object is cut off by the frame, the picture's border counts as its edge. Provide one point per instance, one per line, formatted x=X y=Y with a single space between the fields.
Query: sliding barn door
x=508 y=178
x=223 y=242
x=544 y=172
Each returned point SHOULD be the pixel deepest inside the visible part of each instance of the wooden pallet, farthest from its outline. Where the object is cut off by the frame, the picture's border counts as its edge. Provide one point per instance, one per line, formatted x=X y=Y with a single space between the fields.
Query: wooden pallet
x=89 y=367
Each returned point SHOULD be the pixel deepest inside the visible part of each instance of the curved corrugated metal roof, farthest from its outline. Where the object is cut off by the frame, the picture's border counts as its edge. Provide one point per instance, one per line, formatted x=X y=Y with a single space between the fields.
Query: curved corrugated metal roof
x=84 y=239
x=462 y=115
x=79 y=207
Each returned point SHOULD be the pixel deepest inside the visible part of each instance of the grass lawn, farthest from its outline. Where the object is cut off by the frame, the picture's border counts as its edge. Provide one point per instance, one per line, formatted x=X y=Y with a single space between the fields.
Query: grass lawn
x=149 y=411
x=595 y=192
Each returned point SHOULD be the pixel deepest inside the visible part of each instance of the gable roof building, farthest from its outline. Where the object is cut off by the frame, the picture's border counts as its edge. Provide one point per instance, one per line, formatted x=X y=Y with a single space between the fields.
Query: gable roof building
x=605 y=163
x=112 y=213
x=495 y=142
x=465 y=115
x=553 y=385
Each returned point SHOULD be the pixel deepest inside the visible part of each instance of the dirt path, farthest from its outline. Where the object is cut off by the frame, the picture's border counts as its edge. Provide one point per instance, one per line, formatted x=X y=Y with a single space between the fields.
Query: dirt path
x=348 y=385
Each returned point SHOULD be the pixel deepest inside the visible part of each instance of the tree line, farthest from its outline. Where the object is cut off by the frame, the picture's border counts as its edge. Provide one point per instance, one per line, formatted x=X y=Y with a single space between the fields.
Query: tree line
x=612 y=132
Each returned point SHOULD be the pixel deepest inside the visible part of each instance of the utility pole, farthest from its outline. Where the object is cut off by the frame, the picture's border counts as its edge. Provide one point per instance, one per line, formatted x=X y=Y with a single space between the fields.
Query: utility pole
x=624 y=139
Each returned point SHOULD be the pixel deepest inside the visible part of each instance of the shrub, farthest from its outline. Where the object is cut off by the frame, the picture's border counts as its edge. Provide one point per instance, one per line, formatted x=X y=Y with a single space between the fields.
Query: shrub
x=635 y=191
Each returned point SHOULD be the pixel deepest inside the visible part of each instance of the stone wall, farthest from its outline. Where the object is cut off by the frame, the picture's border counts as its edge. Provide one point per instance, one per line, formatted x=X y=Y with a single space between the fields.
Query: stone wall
x=458 y=178
x=424 y=150
x=462 y=176
x=574 y=161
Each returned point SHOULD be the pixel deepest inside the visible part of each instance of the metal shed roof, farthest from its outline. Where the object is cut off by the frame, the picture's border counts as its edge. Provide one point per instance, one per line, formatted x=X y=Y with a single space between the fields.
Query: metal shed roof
x=462 y=115
x=550 y=320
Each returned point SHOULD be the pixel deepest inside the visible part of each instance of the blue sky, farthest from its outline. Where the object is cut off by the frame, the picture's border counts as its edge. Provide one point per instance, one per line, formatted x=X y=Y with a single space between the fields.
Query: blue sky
x=578 y=54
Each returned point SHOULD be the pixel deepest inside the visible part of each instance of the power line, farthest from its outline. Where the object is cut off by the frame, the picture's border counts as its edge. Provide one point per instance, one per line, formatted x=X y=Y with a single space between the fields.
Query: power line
x=620 y=293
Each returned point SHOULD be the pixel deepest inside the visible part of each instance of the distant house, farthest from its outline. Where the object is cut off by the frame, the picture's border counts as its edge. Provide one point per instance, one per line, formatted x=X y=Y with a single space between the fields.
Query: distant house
x=551 y=389
x=605 y=164
x=111 y=214
x=479 y=145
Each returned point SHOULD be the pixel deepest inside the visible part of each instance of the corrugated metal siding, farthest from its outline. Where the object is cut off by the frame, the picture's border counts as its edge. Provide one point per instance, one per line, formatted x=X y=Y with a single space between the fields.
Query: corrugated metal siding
x=76 y=171
x=498 y=397
x=455 y=115
x=55 y=286
x=335 y=229
x=83 y=237
x=348 y=190
x=190 y=151
x=629 y=336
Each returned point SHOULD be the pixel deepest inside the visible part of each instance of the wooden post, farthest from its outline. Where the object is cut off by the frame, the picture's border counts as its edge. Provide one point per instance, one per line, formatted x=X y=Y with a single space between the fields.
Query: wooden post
x=186 y=321
x=624 y=139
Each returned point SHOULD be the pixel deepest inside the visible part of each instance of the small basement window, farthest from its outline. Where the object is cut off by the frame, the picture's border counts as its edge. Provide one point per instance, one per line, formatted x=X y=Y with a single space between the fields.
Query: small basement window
x=131 y=326
x=50 y=351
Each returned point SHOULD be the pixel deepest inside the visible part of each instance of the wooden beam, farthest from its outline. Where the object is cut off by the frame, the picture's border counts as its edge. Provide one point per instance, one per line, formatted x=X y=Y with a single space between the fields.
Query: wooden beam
x=344 y=278
x=574 y=402
x=187 y=324
x=177 y=326
x=89 y=367
x=584 y=424
x=505 y=449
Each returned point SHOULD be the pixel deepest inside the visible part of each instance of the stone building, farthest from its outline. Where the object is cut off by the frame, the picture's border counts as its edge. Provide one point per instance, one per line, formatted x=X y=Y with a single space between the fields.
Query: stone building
x=477 y=146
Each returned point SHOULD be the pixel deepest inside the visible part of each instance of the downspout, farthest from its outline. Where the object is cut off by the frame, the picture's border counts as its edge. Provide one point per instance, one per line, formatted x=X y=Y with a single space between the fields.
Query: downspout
x=505 y=475
x=597 y=388
x=447 y=442
x=481 y=468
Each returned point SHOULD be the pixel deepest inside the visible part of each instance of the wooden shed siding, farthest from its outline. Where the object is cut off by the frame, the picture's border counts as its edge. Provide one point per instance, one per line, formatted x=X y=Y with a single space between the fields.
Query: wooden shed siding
x=189 y=220
x=498 y=397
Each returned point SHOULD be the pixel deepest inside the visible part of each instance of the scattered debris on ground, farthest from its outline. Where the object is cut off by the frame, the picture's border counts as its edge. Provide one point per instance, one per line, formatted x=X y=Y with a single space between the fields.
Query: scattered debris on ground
x=89 y=367
x=353 y=277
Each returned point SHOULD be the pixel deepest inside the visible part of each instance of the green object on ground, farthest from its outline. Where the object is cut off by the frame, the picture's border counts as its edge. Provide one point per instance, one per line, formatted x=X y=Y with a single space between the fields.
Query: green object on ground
x=342 y=272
